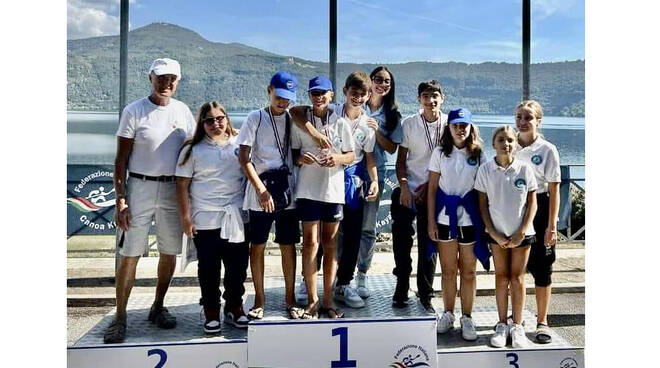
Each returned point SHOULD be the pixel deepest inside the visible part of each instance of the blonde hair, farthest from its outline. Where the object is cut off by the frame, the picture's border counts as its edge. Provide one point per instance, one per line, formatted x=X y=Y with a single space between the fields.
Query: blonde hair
x=533 y=105
x=508 y=130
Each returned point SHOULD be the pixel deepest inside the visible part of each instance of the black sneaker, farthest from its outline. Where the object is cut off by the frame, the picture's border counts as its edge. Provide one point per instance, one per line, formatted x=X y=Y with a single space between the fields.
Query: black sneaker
x=400 y=297
x=236 y=317
x=162 y=317
x=428 y=307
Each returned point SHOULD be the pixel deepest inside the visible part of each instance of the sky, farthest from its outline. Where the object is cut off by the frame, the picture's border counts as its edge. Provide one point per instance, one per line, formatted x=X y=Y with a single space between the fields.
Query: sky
x=368 y=31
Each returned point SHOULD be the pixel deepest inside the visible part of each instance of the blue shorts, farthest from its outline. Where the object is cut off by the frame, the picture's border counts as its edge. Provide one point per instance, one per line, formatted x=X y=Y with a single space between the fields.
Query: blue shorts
x=287 y=230
x=310 y=210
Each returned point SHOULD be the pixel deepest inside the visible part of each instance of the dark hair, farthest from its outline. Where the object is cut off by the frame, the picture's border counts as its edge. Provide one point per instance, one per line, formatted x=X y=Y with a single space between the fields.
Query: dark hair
x=358 y=80
x=432 y=85
x=392 y=115
x=472 y=142
x=200 y=133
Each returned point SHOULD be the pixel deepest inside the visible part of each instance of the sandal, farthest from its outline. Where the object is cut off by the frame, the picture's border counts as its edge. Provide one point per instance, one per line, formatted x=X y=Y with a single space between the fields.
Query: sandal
x=116 y=332
x=256 y=313
x=313 y=313
x=543 y=334
x=336 y=313
x=294 y=312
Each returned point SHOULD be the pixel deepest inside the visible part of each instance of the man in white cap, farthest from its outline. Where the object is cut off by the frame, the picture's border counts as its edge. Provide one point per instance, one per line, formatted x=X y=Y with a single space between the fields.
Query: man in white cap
x=151 y=132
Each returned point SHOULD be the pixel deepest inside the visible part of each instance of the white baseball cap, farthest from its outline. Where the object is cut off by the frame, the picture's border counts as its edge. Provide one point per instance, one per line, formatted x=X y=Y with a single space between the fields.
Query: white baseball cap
x=166 y=66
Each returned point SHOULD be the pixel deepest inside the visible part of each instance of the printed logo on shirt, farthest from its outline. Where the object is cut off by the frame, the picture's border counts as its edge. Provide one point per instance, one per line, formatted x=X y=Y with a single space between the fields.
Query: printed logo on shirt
x=537 y=159
x=360 y=137
x=336 y=142
x=519 y=183
x=472 y=161
x=236 y=151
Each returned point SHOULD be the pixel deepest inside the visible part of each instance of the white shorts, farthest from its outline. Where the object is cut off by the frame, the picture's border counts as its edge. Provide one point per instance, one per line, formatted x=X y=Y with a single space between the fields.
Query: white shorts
x=151 y=201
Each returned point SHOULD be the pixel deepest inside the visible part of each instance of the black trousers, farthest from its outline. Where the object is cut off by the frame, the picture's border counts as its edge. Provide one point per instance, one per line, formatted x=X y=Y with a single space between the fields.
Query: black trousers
x=351 y=230
x=212 y=251
x=402 y=241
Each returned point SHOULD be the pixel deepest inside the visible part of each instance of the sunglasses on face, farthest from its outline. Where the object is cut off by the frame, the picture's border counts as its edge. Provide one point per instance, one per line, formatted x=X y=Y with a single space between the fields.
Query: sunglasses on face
x=318 y=92
x=381 y=80
x=212 y=120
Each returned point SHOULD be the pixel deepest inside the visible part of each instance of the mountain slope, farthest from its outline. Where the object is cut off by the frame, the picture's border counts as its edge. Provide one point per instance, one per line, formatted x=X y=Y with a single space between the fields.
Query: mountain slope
x=237 y=75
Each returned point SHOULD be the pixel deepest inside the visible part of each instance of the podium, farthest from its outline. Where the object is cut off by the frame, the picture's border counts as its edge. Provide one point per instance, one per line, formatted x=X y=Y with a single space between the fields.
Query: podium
x=375 y=336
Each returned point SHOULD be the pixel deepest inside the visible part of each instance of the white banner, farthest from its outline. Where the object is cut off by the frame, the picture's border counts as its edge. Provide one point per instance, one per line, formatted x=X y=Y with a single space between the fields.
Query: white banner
x=504 y=358
x=344 y=343
x=221 y=354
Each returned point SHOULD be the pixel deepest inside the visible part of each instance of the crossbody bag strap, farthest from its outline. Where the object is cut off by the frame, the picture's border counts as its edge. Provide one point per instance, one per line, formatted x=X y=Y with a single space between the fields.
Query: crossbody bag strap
x=287 y=128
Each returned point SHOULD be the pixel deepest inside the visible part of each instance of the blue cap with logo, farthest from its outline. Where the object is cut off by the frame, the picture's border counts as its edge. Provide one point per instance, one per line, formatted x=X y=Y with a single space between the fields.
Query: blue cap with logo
x=320 y=82
x=285 y=85
x=460 y=115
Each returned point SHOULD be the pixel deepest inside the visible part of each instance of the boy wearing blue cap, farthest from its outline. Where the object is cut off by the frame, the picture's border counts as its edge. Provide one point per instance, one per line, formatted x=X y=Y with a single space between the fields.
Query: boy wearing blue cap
x=265 y=156
x=320 y=190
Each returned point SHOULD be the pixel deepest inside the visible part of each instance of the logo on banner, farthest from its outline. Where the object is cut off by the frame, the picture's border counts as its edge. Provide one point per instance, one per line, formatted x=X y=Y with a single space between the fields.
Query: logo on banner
x=568 y=363
x=411 y=356
x=227 y=364
x=93 y=197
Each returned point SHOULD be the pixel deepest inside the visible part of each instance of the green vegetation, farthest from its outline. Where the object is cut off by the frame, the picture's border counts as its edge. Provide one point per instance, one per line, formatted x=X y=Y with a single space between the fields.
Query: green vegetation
x=237 y=75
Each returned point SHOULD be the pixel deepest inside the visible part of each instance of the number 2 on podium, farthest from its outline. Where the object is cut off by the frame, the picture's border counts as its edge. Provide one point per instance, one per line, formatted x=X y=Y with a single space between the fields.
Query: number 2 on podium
x=343 y=361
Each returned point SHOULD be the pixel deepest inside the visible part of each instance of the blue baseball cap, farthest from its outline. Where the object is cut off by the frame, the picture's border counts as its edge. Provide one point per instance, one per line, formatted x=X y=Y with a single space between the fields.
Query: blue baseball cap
x=285 y=84
x=320 y=82
x=460 y=115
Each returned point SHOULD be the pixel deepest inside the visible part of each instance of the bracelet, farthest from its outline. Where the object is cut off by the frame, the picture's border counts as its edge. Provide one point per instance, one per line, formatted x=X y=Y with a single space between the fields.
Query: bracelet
x=552 y=231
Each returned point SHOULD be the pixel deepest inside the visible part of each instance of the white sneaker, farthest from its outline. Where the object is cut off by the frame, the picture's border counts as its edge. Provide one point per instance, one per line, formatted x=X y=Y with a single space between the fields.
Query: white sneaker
x=498 y=340
x=348 y=295
x=468 y=331
x=445 y=322
x=518 y=338
x=361 y=281
x=301 y=293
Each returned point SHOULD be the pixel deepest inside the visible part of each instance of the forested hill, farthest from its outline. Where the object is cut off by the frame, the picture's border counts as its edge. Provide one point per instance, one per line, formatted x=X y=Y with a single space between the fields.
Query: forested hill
x=237 y=75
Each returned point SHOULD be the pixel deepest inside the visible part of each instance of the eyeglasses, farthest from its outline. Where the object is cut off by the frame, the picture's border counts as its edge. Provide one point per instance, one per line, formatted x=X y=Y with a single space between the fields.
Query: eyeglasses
x=381 y=80
x=211 y=120
x=317 y=92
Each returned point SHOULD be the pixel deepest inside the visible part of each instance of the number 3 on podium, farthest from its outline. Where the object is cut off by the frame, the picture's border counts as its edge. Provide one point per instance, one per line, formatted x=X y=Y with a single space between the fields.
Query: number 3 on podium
x=343 y=361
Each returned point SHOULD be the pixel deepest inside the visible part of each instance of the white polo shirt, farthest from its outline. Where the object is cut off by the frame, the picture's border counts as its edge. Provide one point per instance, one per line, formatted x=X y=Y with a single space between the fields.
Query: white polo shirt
x=315 y=182
x=364 y=138
x=257 y=133
x=457 y=174
x=158 y=132
x=217 y=181
x=420 y=138
x=507 y=194
x=543 y=158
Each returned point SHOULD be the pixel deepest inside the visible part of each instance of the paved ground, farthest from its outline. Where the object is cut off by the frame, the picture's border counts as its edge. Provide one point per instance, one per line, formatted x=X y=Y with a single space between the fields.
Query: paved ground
x=90 y=290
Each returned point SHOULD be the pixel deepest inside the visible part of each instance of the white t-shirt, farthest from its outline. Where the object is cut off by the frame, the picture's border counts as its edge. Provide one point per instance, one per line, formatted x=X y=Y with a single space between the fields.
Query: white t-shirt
x=315 y=182
x=217 y=180
x=158 y=132
x=420 y=138
x=364 y=138
x=507 y=191
x=257 y=132
x=457 y=175
x=543 y=158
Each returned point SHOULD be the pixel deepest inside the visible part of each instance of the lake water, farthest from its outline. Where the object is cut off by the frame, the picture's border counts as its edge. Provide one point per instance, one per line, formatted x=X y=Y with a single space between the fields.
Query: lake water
x=91 y=136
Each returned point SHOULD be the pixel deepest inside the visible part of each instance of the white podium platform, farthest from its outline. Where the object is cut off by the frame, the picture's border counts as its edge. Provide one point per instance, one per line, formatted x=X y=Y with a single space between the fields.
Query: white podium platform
x=375 y=336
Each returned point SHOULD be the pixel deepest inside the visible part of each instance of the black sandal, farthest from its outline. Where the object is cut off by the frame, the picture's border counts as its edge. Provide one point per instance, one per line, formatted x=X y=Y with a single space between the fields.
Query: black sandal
x=116 y=332
x=543 y=334
x=336 y=312
x=256 y=313
x=294 y=312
